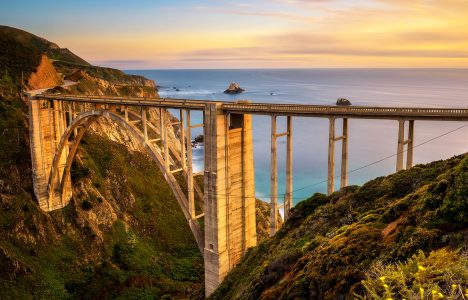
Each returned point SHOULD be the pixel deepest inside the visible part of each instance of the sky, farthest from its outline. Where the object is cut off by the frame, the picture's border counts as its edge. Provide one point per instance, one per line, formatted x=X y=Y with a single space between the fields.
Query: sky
x=144 y=34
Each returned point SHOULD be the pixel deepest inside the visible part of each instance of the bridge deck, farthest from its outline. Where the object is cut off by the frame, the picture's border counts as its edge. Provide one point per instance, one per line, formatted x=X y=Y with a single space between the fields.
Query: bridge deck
x=363 y=112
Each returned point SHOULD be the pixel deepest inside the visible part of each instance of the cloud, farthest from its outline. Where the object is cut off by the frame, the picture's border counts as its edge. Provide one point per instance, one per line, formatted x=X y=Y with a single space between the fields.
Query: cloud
x=254 y=13
x=122 y=63
x=384 y=33
x=301 y=2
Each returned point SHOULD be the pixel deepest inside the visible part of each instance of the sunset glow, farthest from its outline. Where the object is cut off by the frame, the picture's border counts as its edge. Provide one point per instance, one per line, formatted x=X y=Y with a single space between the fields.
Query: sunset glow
x=252 y=34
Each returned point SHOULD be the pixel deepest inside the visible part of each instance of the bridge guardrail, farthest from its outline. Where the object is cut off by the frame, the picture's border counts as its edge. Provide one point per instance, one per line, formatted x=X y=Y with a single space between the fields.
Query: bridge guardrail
x=279 y=109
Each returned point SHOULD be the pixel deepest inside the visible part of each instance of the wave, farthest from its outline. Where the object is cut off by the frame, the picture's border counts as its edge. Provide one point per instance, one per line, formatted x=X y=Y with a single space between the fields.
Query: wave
x=174 y=93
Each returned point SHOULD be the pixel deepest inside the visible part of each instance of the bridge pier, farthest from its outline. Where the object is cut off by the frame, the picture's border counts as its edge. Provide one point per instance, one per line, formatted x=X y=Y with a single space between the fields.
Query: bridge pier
x=144 y=124
x=287 y=204
x=46 y=126
x=273 y=179
x=289 y=172
x=409 y=142
x=331 y=155
x=229 y=192
x=189 y=166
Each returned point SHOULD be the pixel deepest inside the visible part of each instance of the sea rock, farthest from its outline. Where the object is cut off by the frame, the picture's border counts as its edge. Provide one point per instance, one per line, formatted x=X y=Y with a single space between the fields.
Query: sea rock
x=197 y=141
x=234 y=88
x=343 y=102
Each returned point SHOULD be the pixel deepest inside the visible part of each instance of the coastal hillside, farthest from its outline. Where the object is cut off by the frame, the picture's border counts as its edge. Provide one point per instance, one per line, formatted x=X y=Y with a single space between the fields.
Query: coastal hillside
x=36 y=63
x=332 y=243
x=19 y=38
x=123 y=235
x=112 y=240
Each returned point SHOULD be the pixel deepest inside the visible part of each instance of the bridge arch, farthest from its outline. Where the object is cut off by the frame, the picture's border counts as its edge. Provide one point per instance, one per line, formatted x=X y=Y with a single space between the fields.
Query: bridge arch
x=81 y=124
x=228 y=196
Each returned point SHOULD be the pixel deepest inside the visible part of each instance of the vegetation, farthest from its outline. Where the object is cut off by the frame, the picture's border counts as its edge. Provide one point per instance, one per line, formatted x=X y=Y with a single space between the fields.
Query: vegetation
x=328 y=244
x=117 y=237
x=15 y=41
x=441 y=275
x=123 y=234
x=17 y=60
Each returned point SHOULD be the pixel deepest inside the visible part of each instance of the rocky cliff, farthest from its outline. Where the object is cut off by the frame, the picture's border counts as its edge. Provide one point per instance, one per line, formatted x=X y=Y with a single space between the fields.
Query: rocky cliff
x=45 y=75
x=93 y=80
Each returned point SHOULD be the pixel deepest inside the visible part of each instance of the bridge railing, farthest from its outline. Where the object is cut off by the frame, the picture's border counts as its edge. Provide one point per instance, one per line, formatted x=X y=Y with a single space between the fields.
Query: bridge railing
x=279 y=109
x=348 y=110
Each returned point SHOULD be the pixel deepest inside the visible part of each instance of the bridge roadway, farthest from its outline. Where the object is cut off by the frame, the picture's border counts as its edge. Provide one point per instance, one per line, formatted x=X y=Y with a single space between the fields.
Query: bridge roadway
x=324 y=111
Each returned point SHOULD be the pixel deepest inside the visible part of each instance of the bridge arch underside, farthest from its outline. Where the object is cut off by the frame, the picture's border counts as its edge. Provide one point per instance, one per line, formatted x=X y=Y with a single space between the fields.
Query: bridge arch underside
x=59 y=185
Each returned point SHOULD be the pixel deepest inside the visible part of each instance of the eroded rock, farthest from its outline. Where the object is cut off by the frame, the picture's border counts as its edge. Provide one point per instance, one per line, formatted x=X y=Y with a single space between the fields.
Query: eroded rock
x=234 y=88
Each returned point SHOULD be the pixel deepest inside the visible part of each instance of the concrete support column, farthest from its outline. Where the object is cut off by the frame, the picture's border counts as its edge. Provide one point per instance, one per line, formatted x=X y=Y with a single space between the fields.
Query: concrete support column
x=164 y=139
x=144 y=124
x=70 y=114
x=190 y=194
x=229 y=210
x=47 y=122
x=56 y=122
x=344 y=155
x=38 y=149
x=289 y=174
x=410 y=145
x=182 y=139
x=273 y=179
x=75 y=132
x=331 y=157
x=401 y=144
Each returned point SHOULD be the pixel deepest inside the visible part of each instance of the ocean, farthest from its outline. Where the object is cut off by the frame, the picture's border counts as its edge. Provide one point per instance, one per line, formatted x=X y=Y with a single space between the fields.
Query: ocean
x=369 y=140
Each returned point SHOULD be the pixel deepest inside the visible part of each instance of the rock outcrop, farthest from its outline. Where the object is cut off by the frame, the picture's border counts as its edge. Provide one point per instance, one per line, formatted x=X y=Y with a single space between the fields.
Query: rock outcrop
x=343 y=102
x=45 y=76
x=93 y=80
x=234 y=88
x=262 y=209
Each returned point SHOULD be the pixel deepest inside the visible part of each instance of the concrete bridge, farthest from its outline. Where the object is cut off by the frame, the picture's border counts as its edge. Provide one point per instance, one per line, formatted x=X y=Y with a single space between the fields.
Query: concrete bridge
x=226 y=201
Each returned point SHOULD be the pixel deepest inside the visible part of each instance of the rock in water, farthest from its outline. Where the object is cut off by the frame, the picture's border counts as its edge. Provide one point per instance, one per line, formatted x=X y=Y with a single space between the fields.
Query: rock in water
x=234 y=88
x=343 y=102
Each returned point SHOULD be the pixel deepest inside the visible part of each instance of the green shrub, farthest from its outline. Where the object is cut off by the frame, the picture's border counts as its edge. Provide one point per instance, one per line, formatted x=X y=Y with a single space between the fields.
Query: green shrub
x=441 y=275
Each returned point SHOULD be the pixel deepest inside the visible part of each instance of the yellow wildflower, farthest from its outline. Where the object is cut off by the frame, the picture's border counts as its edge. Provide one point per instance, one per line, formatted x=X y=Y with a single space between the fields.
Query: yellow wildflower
x=421 y=292
x=382 y=278
x=421 y=268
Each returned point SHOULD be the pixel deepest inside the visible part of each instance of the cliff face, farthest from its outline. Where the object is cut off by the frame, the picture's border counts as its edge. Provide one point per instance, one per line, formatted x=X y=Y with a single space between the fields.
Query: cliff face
x=263 y=220
x=45 y=75
x=331 y=243
x=94 y=80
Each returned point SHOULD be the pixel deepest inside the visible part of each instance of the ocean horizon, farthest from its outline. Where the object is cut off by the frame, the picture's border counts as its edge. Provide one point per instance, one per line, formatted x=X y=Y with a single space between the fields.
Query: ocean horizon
x=369 y=140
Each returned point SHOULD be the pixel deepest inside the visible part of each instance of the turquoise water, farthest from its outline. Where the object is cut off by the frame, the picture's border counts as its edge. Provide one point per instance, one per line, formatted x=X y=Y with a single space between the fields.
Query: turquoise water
x=369 y=140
